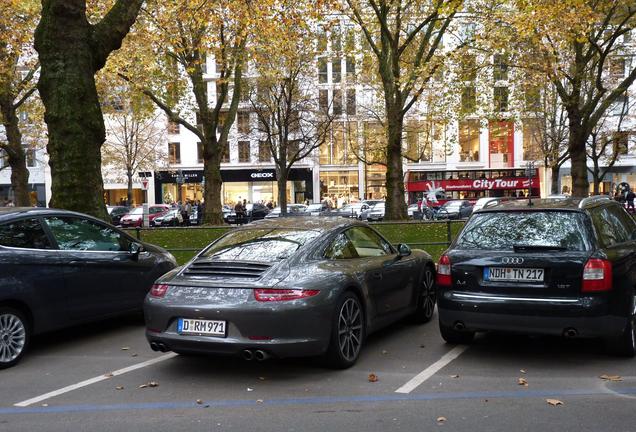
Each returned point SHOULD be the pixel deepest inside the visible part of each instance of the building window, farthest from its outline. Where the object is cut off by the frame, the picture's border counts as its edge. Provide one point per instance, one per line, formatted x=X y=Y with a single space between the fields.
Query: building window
x=617 y=67
x=500 y=67
x=531 y=139
x=533 y=99
x=501 y=99
x=30 y=156
x=620 y=107
x=469 y=68
x=225 y=157
x=244 y=151
x=174 y=153
x=338 y=143
x=293 y=146
x=243 y=123
x=199 y=152
x=218 y=65
x=323 y=101
x=264 y=152
x=336 y=70
x=351 y=102
x=620 y=141
x=469 y=99
x=173 y=127
x=245 y=90
x=336 y=39
x=323 y=74
x=351 y=69
x=469 y=141
x=337 y=102
x=321 y=42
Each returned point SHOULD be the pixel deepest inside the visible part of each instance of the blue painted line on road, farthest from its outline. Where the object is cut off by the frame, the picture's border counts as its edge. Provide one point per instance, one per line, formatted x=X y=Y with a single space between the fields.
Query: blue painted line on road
x=326 y=400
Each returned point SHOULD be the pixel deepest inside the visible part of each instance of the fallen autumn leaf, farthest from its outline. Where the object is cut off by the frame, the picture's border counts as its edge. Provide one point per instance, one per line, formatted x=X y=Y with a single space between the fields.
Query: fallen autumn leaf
x=554 y=402
x=373 y=377
x=611 y=377
x=522 y=382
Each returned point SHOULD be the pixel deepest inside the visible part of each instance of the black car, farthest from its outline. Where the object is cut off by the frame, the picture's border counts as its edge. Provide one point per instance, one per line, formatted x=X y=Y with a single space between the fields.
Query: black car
x=116 y=213
x=456 y=209
x=253 y=212
x=60 y=268
x=565 y=267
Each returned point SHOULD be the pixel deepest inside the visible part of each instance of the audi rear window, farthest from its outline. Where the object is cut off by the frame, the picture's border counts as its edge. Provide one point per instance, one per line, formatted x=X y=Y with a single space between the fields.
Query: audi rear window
x=520 y=230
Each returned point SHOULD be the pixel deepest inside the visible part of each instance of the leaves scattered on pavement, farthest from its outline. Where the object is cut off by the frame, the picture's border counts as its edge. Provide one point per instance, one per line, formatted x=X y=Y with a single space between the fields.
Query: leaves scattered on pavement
x=119 y=388
x=109 y=375
x=441 y=419
x=149 y=384
x=522 y=382
x=554 y=402
x=611 y=377
x=125 y=348
x=373 y=377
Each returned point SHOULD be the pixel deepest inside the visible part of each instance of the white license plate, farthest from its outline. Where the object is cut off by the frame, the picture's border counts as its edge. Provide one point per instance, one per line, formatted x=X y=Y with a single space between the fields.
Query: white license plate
x=513 y=274
x=201 y=327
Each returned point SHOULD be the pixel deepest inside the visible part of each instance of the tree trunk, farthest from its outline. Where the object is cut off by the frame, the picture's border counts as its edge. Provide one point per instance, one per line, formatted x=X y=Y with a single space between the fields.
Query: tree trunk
x=71 y=51
x=395 y=203
x=554 y=187
x=16 y=155
x=281 y=179
x=129 y=193
x=213 y=182
x=578 y=157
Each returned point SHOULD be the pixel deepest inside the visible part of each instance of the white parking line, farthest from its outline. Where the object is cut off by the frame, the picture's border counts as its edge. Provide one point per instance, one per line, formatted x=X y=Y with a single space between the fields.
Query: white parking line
x=93 y=380
x=418 y=379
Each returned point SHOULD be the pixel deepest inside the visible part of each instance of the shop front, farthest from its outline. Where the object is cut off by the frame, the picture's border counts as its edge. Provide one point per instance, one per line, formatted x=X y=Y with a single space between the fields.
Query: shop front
x=253 y=185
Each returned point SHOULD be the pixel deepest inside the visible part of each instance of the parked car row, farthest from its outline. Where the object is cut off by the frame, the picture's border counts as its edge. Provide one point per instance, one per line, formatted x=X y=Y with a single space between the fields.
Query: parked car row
x=297 y=286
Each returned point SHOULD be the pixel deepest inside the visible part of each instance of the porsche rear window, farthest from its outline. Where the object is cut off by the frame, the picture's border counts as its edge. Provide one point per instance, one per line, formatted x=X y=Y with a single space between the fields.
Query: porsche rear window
x=262 y=245
x=536 y=229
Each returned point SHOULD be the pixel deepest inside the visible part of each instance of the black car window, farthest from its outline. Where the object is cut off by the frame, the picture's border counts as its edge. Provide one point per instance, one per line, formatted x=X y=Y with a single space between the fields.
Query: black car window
x=626 y=219
x=367 y=243
x=26 y=233
x=507 y=230
x=261 y=245
x=341 y=248
x=609 y=226
x=73 y=233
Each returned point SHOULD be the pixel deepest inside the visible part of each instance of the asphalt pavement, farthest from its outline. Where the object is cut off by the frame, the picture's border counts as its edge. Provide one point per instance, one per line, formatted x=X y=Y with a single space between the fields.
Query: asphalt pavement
x=104 y=377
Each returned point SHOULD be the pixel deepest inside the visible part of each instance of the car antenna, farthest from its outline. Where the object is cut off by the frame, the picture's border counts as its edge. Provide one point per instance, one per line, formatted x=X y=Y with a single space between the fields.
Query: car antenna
x=529 y=175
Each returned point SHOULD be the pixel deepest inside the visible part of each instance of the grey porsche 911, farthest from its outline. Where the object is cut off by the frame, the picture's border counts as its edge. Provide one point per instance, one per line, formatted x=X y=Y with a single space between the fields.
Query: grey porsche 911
x=290 y=287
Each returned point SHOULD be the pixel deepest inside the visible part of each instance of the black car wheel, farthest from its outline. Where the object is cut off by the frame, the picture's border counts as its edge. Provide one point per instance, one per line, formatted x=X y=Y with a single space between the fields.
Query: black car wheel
x=347 y=334
x=14 y=336
x=452 y=336
x=427 y=298
x=625 y=344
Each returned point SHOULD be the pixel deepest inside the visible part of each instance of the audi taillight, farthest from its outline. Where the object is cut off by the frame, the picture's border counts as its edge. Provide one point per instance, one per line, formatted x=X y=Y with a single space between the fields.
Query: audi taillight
x=272 y=295
x=444 y=271
x=158 y=290
x=597 y=275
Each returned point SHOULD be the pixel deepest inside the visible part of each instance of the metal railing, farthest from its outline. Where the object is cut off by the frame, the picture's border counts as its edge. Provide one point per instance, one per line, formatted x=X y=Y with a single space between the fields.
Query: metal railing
x=449 y=233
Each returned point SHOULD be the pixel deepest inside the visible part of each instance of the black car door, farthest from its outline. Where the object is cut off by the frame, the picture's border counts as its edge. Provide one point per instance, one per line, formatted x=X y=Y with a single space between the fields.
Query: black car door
x=387 y=277
x=102 y=276
x=30 y=272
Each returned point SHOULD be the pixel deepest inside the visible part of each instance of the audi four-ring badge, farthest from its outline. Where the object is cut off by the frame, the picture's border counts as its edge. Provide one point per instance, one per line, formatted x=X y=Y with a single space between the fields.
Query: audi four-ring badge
x=288 y=287
x=564 y=268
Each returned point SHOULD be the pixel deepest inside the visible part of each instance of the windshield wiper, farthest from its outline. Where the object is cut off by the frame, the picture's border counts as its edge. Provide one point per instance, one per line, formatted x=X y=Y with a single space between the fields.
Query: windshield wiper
x=522 y=247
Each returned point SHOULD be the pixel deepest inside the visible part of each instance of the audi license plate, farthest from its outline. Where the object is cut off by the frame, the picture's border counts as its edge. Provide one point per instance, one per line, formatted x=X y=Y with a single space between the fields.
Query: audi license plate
x=496 y=274
x=187 y=326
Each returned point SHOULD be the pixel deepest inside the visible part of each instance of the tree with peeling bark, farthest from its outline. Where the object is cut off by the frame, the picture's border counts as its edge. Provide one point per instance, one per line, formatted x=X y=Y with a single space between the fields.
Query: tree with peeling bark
x=573 y=43
x=71 y=50
x=18 y=68
x=405 y=38
x=177 y=38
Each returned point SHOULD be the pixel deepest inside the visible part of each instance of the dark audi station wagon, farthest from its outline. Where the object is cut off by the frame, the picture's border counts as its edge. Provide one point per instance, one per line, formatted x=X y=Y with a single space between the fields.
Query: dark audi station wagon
x=553 y=267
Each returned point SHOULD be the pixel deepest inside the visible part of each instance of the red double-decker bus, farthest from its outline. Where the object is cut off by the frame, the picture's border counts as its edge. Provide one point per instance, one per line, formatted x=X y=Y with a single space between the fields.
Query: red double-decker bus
x=471 y=185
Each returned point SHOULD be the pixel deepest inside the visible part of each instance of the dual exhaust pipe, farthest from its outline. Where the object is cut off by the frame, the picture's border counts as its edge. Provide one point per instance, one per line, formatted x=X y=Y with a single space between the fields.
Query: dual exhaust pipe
x=159 y=346
x=258 y=355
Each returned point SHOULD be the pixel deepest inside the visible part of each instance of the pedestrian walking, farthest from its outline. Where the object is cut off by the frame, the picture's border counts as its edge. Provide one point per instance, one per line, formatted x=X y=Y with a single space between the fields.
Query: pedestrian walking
x=630 y=200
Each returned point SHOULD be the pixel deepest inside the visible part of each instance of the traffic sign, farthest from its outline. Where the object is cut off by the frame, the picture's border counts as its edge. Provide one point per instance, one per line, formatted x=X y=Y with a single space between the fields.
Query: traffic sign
x=144 y=183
